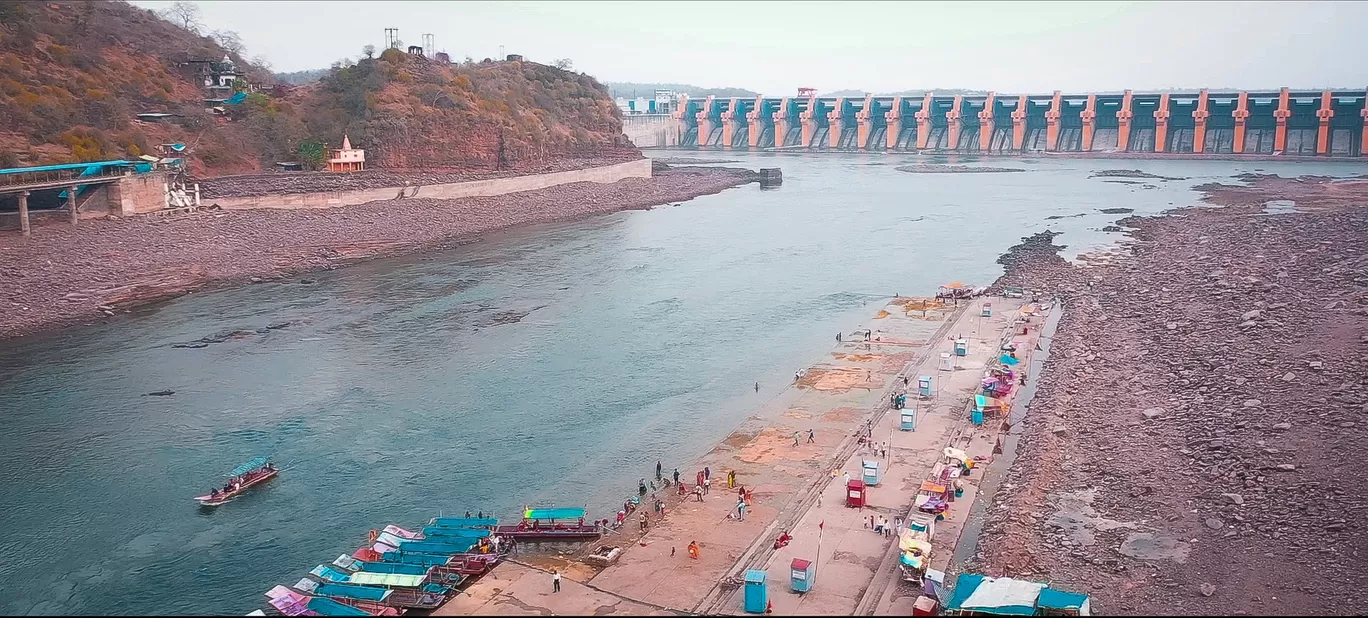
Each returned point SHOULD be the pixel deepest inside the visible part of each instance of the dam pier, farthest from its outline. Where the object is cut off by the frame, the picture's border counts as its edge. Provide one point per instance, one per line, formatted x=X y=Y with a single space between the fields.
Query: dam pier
x=1203 y=123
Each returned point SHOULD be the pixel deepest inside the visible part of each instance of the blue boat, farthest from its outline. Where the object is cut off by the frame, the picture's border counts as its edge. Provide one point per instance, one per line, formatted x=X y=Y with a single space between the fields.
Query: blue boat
x=463 y=522
x=430 y=533
x=436 y=547
x=328 y=607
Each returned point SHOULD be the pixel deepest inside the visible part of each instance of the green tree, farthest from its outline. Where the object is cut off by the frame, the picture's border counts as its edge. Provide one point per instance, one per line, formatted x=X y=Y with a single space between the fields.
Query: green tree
x=312 y=154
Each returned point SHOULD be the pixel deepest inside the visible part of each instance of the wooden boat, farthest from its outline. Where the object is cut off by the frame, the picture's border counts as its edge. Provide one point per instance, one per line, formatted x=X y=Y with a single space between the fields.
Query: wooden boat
x=243 y=477
x=373 y=600
x=541 y=525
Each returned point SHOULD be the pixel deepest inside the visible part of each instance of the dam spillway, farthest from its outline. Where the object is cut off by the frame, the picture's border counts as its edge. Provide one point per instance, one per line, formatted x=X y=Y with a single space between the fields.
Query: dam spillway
x=1284 y=122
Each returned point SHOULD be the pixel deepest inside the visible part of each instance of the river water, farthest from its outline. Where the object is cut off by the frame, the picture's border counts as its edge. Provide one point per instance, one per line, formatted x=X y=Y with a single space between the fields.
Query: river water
x=551 y=364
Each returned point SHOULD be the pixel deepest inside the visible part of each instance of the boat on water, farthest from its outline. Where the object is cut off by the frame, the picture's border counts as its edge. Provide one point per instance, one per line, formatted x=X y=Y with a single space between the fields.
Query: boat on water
x=551 y=525
x=242 y=478
x=291 y=603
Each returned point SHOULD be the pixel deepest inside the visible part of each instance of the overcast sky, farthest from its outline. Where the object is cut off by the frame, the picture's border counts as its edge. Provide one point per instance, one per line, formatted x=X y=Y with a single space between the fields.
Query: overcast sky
x=776 y=47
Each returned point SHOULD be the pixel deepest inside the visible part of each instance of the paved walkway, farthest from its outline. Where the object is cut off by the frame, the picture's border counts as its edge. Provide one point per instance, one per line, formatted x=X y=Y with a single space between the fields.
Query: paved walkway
x=793 y=488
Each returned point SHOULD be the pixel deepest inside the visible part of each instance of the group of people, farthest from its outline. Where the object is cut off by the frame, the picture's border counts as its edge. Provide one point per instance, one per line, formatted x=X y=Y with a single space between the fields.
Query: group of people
x=235 y=483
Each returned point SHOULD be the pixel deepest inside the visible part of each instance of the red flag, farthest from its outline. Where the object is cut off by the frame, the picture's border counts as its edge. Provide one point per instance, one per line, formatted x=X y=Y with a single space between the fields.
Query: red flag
x=822 y=526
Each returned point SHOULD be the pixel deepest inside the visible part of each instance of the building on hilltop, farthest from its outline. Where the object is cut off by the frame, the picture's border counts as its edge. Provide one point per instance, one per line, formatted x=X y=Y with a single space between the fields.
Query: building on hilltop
x=346 y=158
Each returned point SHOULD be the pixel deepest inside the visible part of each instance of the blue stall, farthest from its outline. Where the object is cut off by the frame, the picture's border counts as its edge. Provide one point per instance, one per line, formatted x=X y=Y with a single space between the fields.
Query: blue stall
x=987 y=311
x=755 y=591
x=924 y=386
x=801 y=573
x=872 y=474
x=961 y=347
x=909 y=419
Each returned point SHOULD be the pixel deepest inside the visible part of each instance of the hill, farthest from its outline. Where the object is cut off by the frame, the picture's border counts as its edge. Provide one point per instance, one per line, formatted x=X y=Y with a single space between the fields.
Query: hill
x=635 y=89
x=299 y=78
x=74 y=75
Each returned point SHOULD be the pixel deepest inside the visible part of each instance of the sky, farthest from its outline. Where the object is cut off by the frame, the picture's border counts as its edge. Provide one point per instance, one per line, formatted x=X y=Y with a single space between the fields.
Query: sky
x=777 y=47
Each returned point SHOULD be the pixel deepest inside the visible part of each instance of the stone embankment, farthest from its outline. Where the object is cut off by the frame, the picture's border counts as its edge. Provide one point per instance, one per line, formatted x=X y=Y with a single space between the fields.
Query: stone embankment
x=81 y=274
x=1194 y=446
x=252 y=185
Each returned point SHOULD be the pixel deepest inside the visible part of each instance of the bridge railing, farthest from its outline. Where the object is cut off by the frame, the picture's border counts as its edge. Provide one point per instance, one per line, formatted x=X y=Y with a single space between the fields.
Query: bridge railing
x=49 y=177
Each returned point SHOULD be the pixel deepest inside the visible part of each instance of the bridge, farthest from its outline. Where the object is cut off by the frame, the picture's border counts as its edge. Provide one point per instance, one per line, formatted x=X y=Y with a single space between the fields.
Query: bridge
x=1276 y=122
x=126 y=187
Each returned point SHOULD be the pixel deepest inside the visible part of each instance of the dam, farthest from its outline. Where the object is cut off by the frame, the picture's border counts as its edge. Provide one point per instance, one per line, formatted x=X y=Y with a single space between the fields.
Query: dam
x=1180 y=124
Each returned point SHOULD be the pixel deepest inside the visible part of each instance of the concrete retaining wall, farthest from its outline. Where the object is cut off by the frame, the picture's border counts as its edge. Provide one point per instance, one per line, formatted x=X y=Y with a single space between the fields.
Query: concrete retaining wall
x=607 y=174
x=651 y=130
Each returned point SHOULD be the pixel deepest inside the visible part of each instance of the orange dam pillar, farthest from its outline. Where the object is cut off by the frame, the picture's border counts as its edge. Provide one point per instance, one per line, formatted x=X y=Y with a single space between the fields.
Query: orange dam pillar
x=781 y=123
x=863 y=124
x=1363 y=141
x=705 y=125
x=729 y=124
x=1052 y=123
x=1123 y=120
x=1281 y=114
x=1161 y=117
x=835 y=124
x=1019 y=124
x=952 y=123
x=1241 y=114
x=678 y=115
x=1089 y=116
x=986 y=124
x=1199 y=120
x=894 y=119
x=923 y=117
x=1325 y=113
x=807 y=121
x=753 y=124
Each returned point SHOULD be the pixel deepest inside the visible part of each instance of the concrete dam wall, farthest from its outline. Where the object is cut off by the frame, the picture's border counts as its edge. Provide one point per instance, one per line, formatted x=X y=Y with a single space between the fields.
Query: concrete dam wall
x=1181 y=124
x=651 y=130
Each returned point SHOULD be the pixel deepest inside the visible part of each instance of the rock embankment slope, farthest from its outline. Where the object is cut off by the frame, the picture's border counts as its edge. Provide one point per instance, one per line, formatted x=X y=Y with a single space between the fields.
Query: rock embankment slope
x=1195 y=446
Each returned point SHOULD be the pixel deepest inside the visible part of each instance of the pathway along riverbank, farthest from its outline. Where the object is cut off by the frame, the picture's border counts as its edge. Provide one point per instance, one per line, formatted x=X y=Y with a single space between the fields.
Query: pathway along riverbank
x=66 y=275
x=793 y=454
x=1195 y=444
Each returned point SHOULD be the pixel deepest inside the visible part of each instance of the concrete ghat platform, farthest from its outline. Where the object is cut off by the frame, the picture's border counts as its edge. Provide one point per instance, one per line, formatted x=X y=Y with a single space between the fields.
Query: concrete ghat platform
x=793 y=486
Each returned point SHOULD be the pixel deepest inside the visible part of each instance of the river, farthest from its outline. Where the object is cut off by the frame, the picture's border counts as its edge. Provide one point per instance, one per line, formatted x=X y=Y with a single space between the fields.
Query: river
x=550 y=364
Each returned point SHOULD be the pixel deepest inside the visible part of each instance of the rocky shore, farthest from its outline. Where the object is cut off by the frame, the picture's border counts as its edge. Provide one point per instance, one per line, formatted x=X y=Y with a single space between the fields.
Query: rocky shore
x=1192 y=447
x=285 y=183
x=64 y=275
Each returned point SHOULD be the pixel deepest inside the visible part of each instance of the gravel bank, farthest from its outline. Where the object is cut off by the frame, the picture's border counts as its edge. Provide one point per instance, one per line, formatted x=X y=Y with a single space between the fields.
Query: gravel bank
x=64 y=275
x=253 y=185
x=1193 y=445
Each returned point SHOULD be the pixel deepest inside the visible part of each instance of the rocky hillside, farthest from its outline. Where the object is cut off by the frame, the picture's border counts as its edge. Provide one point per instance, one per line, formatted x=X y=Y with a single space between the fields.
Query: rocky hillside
x=74 y=75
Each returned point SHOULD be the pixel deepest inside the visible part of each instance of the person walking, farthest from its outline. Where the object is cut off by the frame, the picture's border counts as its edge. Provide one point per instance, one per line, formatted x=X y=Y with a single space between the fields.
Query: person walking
x=812 y=437
x=845 y=475
x=676 y=476
x=795 y=438
x=693 y=550
x=555 y=580
x=757 y=387
x=707 y=485
x=698 y=491
x=644 y=525
x=731 y=479
x=707 y=473
x=658 y=469
x=838 y=337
